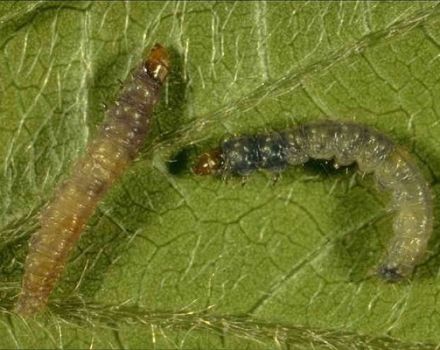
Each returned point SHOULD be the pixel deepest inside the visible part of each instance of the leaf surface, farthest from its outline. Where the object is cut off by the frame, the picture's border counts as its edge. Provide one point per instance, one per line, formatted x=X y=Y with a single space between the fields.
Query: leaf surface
x=171 y=260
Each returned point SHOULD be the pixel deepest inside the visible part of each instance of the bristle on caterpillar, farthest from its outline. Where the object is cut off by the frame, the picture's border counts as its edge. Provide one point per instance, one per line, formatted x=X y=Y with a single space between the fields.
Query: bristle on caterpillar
x=344 y=143
x=117 y=143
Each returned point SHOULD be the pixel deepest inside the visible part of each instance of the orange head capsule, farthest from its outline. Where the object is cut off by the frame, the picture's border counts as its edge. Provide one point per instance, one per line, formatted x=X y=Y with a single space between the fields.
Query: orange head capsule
x=158 y=63
x=209 y=163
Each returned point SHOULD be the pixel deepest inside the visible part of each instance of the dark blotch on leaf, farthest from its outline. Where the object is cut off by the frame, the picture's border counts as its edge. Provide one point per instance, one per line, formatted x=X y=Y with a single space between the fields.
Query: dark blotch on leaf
x=179 y=163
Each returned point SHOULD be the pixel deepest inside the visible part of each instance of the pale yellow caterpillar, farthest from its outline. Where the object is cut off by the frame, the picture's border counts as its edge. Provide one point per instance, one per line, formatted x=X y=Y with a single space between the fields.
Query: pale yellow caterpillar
x=118 y=142
x=345 y=143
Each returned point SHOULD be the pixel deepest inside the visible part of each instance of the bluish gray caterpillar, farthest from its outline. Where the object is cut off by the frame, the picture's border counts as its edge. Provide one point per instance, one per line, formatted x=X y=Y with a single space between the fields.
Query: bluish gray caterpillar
x=345 y=143
x=117 y=143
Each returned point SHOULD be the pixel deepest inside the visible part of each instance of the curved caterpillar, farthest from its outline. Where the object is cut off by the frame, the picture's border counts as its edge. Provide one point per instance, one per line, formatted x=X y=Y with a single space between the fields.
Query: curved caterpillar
x=117 y=143
x=345 y=143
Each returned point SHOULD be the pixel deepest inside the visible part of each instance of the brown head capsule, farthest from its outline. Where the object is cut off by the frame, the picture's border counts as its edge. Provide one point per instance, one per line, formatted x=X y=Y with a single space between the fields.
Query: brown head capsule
x=209 y=163
x=158 y=63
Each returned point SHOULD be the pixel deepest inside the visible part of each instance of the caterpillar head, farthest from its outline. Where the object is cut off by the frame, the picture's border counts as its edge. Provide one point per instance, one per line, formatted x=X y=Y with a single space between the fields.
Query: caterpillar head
x=158 y=63
x=209 y=163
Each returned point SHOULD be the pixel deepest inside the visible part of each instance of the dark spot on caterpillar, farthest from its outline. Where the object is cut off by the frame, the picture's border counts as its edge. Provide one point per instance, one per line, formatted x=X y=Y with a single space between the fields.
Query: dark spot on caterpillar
x=326 y=167
x=344 y=144
x=117 y=143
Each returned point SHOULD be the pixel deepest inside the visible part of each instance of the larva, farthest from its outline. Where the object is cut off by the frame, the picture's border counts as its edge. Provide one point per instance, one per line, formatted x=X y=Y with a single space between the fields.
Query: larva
x=117 y=143
x=345 y=143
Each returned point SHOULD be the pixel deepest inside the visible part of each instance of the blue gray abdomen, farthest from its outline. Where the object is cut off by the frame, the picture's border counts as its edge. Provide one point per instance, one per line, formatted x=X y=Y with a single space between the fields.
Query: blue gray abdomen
x=247 y=153
x=345 y=143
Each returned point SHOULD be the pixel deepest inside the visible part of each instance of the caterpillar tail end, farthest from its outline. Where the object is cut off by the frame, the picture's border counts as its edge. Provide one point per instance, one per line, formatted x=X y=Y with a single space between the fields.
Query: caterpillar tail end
x=28 y=306
x=158 y=63
x=391 y=274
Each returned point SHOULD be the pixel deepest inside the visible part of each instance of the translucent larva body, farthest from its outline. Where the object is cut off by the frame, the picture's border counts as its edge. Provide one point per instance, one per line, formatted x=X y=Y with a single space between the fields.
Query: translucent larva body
x=345 y=143
x=117 y=143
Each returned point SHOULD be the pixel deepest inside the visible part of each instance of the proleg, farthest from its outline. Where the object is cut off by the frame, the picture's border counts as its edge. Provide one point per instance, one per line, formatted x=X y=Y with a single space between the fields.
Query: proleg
x=117 y=143
x=344 y=143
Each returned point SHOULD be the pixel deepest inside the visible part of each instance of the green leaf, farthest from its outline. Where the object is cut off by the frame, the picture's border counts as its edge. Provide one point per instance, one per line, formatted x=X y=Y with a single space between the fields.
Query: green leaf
x=171 y=260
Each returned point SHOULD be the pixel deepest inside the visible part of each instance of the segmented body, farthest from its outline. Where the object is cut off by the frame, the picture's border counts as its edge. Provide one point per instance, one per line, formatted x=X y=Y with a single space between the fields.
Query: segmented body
x=117 y=143
x=345 y=143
